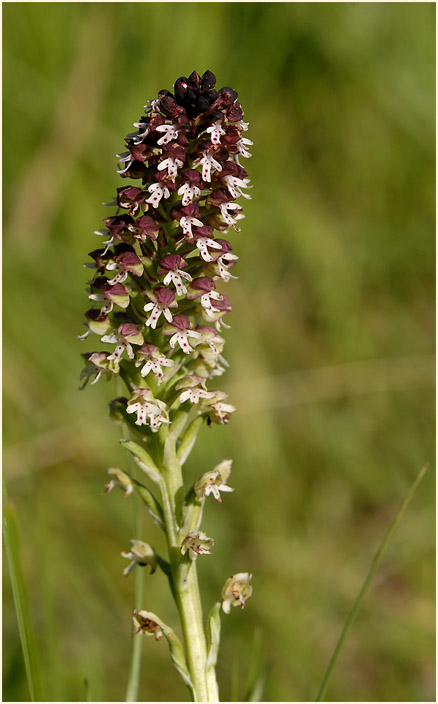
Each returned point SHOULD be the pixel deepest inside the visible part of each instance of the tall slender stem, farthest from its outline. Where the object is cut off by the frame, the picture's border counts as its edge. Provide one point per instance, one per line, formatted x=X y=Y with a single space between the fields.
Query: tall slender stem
x=185 y=579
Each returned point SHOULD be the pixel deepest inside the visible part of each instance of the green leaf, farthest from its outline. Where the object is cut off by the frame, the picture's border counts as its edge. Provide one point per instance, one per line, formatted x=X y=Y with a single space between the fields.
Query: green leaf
x=21 y=601
x=143 y=460
x=177 y=424
x=178 y=656
x=188 y=439
x=153 y=506
x=213 y=635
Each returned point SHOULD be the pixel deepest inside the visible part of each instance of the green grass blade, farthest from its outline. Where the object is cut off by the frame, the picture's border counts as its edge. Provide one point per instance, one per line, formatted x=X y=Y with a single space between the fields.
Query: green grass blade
x=21 y=601
x=354 y=609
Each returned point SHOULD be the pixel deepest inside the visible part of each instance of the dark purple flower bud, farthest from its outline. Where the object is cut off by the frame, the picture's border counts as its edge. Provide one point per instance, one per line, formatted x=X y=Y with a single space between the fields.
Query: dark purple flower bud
x=132 y=198
x=130 y=262
x=180 y=322
x=165 y=297
x=136 y=170
x=101 y=257
x=121 y=226
x=195 y=80
x=218 y=197
x=155 y=120
x=167 y=103
x=180 y=88
x=227 y=96
x=171 y=262
x=146 y=227
x=131 y=333
x=192 y=176
x=199 y=286
x=234 y=113
x=232 y=136
x=204 y=231
x=208 y=80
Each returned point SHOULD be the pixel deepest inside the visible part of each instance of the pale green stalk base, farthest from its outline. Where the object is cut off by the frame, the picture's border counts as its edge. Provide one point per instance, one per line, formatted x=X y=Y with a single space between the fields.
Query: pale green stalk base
x=185 y=578
x=354 y=609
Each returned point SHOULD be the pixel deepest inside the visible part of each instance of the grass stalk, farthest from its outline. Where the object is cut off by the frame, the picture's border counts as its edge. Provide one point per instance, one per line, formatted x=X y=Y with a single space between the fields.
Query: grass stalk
x=21 y=601
x=355 y=608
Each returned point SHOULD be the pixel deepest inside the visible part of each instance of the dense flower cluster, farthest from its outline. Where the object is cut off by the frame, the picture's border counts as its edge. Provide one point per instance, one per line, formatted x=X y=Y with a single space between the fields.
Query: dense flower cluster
x=156 y=289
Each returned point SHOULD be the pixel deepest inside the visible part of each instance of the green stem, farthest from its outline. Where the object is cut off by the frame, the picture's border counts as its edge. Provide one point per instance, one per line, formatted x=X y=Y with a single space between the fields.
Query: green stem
x=185 y=578
x=365 y=585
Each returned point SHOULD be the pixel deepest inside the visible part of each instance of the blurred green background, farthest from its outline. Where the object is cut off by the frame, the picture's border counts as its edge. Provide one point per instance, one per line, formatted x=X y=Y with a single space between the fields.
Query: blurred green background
x=331 y=348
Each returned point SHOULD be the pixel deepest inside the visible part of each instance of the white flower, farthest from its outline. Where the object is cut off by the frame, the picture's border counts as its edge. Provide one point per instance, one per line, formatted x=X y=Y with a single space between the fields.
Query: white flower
x=216 y=131
x=121 y=479
x=208 y=162
x=223 y=262
x=156 y=310
x=187 y=222
x=125 y=158
x=121 y=273
x=197 y=543
x=122 y=344
x=172 y=165
x=235 y=185
x=175 y=277
x=229 y=218
x=147 y=408
x=158 y=192
x=141 y=554
x=206 y=301
x=241 y=147
x=180 y=338
x=203 y=243
x=194 y=389
x=170 y=132
x=214 y=481
x=154 y=361
x=148 y=624
x=141 y=135
x=188 y=192
x=236 y=591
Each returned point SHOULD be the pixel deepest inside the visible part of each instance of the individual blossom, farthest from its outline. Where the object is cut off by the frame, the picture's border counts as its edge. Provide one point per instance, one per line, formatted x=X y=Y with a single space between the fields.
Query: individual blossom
x=163 y=299
x=193 y=389
x=140 y=554
x=96 y=364
x=127 y=335
x=214 y=481
x=148 y=624
x=218 y=411
x=181 y=330
x=197 y=543
x=202 y=288
x=149 y=410
x=120 y=479
x=172 y=266
x=236 y=591
x=152 y=360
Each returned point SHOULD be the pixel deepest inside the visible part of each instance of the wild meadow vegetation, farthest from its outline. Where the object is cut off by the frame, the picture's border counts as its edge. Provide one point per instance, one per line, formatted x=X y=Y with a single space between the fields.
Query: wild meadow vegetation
x=330 y=350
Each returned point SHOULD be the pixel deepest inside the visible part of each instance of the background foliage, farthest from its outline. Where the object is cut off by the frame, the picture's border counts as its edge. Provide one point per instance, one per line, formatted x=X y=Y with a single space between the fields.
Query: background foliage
x=331 y=345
